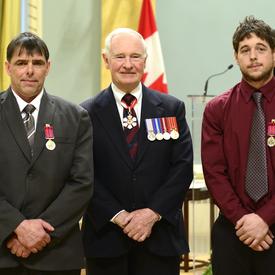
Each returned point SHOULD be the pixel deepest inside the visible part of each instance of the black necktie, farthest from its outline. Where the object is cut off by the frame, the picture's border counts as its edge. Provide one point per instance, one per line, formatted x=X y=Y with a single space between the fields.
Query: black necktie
x=130 y=124
x=256 y=174
x=28 y=121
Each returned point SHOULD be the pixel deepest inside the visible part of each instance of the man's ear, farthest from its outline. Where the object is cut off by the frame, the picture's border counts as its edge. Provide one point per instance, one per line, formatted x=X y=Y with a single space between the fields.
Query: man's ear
x=106 y=60
x=7 y=67
x=236 y=58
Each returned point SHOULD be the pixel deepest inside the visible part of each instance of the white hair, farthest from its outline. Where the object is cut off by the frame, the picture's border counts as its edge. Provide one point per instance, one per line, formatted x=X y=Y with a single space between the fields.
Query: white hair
x=118 y=31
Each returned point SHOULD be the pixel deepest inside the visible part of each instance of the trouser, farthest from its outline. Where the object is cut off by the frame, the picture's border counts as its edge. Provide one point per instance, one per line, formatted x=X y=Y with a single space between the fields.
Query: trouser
x=231 y=256
x=137 y=262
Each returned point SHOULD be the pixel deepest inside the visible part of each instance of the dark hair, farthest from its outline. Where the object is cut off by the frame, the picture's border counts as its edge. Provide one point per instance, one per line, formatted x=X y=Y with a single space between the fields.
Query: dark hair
x=256 y=26
x=29 y=42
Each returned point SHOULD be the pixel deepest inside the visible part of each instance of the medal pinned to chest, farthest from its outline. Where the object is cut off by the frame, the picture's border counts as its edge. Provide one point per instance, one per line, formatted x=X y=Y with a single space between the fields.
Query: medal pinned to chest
x=162 y=128
x=49 y=136
x=130 y=121
x=271 y=133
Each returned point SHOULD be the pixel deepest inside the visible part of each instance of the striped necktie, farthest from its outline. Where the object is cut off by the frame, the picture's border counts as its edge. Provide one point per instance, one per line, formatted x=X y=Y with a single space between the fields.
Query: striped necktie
x=130 y=124
x=256 y=182
x=28 y=121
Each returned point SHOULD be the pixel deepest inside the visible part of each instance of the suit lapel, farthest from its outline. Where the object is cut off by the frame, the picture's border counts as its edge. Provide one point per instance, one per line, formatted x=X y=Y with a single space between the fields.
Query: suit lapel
x=107 y=113
x=15 y=123
x=151 y=107
x=45 y=116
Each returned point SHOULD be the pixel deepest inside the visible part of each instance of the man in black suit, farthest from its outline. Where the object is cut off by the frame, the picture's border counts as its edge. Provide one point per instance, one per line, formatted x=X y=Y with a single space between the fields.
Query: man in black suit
x=143 y=169
x=46 y=168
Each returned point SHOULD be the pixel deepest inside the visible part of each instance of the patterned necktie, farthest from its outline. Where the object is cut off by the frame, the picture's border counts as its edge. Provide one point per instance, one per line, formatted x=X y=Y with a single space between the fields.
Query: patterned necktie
x=130 y=124
x=28 y=121
x=256 y=182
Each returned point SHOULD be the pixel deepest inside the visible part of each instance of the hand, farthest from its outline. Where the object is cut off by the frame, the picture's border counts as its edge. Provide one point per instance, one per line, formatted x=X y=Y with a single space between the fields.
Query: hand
x=252 y=230
x=140 y=223
x=17 y=248
x=121 y=219
x=265 y=243
x=33 y=234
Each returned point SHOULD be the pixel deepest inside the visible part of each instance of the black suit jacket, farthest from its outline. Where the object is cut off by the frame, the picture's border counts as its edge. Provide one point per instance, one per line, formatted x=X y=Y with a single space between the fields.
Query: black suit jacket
x=158 y=179
x=52 y=185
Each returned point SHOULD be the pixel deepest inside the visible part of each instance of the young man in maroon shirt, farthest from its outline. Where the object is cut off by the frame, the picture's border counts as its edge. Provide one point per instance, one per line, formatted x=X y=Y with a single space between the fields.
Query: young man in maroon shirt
x=242 y=236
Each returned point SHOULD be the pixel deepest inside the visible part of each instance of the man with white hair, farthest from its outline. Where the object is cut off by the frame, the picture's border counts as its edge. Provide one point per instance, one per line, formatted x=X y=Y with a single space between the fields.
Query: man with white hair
x=143 y=169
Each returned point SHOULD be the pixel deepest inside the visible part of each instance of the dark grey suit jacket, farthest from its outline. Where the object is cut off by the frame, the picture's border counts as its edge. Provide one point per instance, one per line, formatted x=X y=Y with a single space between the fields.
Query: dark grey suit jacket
x=158 y=179
x=52 y=185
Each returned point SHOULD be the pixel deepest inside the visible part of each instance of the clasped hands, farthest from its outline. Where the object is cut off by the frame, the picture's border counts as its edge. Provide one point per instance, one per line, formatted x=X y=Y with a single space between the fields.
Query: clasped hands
x=137 y=224
x=30 y=236
x=254 y=232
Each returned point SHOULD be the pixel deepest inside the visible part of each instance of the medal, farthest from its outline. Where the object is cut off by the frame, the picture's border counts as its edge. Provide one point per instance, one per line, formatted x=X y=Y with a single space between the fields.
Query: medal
x=166 y=135
x=49 y=136
x=129 y=121
x=150 y=130
x=174 y=134
x=172 y=127
x=50 y=145
x=157 y=128
x=271 y=133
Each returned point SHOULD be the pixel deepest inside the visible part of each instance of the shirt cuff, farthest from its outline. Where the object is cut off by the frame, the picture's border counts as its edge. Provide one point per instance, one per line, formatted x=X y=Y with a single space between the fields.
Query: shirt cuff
x=113 y=218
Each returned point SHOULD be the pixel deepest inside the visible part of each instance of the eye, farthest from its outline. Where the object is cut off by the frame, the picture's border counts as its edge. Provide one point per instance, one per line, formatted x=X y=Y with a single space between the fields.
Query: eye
x=261 y=49
x=244 y=50
x=136 y=56
x=119 y=57
x=38 y=62
x=20 y=63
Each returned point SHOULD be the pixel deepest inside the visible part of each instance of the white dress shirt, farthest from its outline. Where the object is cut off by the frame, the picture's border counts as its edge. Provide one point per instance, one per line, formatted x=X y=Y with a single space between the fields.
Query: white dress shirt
x=118 y=94
x=35 y=102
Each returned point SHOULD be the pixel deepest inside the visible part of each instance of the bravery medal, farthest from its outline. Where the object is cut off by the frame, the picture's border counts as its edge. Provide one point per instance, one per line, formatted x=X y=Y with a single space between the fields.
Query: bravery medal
x=271 y=133
x=150 y=129
x=49 y=136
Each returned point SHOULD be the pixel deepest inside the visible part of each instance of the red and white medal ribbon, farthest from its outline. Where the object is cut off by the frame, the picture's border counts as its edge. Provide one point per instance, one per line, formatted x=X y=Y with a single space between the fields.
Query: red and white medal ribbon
x=49 y=136
x=271 y=133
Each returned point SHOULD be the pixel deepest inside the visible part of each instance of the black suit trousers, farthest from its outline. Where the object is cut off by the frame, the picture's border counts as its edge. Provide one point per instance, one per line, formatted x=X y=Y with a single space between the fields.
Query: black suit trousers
x=231 y=256
x=137 y=262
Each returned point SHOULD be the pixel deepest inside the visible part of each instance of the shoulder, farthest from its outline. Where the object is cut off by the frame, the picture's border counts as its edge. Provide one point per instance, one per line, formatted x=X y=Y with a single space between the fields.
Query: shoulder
x=64 y=106
x=101 y=97
x=169 y=101
x=220 y=102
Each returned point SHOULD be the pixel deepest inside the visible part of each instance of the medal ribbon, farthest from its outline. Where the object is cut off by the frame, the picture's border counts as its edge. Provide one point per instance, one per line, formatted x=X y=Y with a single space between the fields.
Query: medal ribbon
x=156 y=125
x=173 y=122
x=163 y=124
x=149 y=125
x=271 y=128
x=129 y=107
x=48 y=131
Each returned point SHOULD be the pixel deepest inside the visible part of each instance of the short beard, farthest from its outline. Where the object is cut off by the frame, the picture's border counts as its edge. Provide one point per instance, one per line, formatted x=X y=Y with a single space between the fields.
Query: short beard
x=261 y=78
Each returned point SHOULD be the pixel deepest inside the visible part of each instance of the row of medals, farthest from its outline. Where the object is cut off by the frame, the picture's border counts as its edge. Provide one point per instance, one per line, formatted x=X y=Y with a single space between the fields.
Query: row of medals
x=174 y=134
x=130 y=122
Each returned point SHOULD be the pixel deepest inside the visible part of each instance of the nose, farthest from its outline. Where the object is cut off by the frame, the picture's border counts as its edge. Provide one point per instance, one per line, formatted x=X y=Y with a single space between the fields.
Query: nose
x=127 y=62
x=29 y=69
x=253 y=54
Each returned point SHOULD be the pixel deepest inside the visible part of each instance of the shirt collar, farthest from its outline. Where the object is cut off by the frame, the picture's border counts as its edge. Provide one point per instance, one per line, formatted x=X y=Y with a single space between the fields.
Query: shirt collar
x=268 y=90
x=22 y=103
x=118 y=94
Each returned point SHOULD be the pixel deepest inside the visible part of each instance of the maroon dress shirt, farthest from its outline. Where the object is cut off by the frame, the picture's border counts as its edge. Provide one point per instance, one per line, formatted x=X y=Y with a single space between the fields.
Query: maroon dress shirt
x=225 y=143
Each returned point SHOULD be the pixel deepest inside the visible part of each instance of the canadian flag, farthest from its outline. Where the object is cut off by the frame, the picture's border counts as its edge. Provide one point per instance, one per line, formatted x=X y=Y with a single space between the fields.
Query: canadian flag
x=154 y=76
